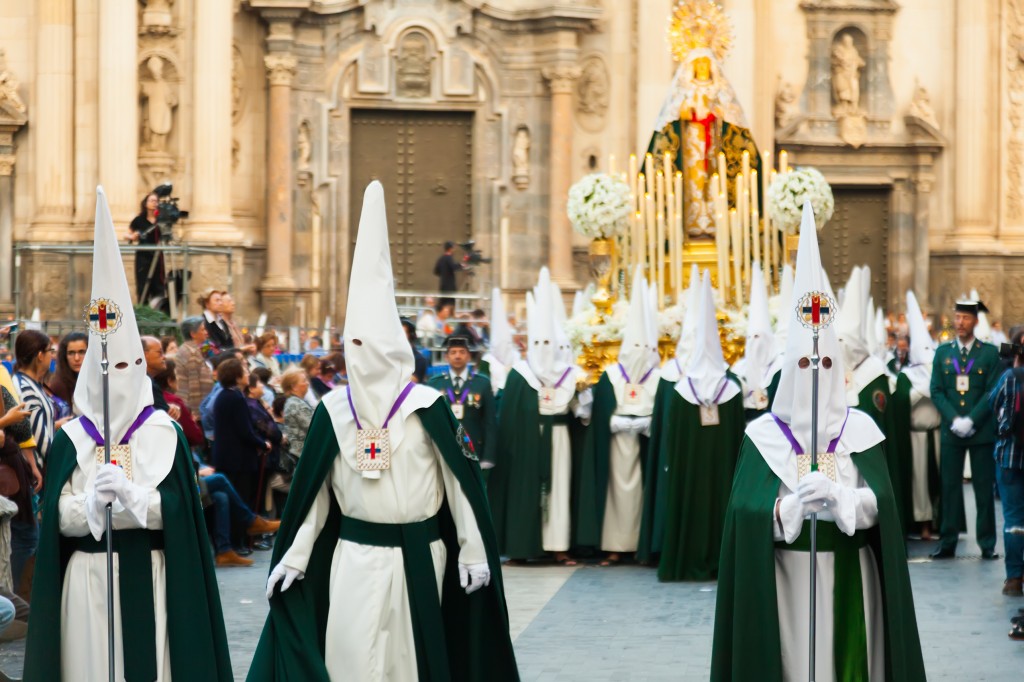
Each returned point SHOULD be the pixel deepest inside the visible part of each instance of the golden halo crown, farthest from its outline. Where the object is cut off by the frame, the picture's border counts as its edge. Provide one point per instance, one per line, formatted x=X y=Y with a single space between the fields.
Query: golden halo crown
x=699 y=24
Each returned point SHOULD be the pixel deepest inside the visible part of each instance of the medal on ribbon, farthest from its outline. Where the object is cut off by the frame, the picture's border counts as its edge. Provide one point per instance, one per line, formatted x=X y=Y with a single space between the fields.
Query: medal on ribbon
x=373 y=446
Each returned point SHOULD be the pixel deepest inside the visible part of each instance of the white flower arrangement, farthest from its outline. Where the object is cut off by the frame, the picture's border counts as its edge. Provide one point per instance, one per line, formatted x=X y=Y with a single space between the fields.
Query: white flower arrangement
x=599 y=206
x=789 y=191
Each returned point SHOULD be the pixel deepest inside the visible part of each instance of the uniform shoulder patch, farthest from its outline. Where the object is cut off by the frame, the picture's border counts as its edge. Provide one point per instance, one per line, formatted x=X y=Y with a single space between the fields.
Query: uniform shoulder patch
x=880 y=399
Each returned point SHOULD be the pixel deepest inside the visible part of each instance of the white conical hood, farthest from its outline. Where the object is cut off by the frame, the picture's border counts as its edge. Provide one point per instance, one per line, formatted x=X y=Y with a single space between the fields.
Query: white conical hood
x=793 y=399
x=922 y=347
x=542 y=352
x=785 y=296
x=635 y=351
x=652 y=326
x=760 y=344
x=565 y=353
x=850 y=325
x=130 y=388
x=377 y=355
x=706 y=365
x=503 y=346
x=983 y=330
x=690 y=314
x=879 y=332
x=579 y=303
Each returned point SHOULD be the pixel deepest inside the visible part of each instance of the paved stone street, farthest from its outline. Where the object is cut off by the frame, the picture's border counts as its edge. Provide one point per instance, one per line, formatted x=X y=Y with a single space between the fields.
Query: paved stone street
x=592 y=623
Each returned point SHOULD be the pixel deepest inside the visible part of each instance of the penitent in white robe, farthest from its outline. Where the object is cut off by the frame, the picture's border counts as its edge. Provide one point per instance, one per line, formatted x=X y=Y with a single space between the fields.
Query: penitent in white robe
x=924 y=425
x=624 y=498
x=857 y=509
x=369 y=626
x=84 y=599
x=556 y=524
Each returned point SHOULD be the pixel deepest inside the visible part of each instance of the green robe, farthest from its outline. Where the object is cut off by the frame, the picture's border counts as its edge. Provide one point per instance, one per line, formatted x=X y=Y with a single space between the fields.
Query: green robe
x=874 y=400
x=596 y=453
x=900 y=443
x=746 y=640
x=699 y=462
x=524 y=466
x=652 y=522
x=195 y=623
x=475 y=627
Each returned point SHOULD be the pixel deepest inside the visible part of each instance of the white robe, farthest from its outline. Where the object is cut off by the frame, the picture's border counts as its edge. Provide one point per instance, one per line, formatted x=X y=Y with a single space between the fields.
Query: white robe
x=556 y=523
x=925 y=421
x=857 y=509
x=369 y=626
x=624 y=498
x=84 y=598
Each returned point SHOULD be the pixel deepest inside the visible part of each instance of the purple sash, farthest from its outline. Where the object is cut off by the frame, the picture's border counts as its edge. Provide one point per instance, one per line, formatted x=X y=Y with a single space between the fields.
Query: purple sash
x=956 y=363
x=788 y=433
x=626 y=376
x=394 y=408
x=94 y=433
x=725 y=382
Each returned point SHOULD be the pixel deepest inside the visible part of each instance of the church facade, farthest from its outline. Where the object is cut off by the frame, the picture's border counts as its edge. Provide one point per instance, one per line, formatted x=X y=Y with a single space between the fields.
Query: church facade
x=270 y=117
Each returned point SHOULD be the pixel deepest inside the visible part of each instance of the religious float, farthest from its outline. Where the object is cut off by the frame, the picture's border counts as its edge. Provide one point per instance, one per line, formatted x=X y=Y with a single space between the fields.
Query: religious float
x=701 y=195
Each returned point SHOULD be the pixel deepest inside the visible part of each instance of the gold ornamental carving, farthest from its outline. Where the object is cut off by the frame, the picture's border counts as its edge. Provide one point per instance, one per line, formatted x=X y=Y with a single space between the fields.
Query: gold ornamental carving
x=7 y=164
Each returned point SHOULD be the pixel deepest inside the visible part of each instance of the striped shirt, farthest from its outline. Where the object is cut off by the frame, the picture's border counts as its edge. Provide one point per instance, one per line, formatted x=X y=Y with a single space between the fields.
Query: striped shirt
x=1009 y=450
x=34 y=395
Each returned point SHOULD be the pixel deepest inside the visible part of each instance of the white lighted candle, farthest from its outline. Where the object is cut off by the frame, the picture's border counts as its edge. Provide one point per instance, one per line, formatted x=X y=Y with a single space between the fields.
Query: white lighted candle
x=737 y=256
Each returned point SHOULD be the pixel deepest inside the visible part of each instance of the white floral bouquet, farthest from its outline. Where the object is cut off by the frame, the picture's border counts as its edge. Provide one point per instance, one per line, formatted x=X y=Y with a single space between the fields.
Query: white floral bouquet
x=599 y=206
x=789 y=191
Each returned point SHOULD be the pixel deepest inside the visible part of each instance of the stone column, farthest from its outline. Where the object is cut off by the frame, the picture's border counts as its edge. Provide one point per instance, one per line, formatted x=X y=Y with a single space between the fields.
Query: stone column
x=6 y=232
x=119 y=108
x=53 y=120
x=280 y=71
x=211 y=219
x=977 y=69
x=87 y=46
x=560 y=79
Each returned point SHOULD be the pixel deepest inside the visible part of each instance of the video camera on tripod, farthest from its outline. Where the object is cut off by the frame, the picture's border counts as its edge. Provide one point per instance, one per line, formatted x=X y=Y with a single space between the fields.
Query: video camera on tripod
x=473 y=256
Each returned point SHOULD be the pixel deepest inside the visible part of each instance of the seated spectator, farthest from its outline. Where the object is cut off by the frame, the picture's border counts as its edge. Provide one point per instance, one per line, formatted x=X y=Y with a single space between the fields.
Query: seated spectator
x=263 y=374
x=195 y=377
x=167 y=381
x=323 y=382
x=268 y=429
x=170 y=344
x=310 y=364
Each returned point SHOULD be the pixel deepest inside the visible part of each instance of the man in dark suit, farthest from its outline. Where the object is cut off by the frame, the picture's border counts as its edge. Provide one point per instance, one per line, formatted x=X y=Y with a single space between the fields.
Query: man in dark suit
x=471 y=399
x=964 y=373
x=445 y=269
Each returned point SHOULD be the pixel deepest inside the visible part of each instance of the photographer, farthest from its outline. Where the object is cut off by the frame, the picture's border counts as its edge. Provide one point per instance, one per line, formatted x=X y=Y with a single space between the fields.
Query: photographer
x=145 y=231
x=1009 y=455
x=445 y=269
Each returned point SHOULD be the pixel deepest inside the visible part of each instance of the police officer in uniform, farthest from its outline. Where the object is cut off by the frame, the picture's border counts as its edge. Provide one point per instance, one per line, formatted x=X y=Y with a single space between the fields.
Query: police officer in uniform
x=471 y=399
x=964 y=373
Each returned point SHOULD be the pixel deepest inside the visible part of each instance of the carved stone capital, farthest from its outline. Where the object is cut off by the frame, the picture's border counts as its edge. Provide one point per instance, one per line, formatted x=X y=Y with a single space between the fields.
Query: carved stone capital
x=280 y=68
x=7 y=164
x=561 y=78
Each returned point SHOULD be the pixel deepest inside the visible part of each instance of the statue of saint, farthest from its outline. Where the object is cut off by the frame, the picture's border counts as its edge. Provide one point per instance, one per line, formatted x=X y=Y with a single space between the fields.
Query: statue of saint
x=304 y=146
x=699 y=118
x=521 y=154
x=9 y=97
x=160 y=103
x=846 y=66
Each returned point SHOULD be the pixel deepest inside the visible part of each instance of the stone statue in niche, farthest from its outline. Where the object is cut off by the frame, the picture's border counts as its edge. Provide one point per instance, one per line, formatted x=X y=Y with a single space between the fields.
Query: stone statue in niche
x=846 y=66
x=921 y=107
x=521 y=158
x=413 y=72
x=592 y=90
x=161 y=99
x=10 y=100
x=303 y=146
x=237 y=83
x=785 y=105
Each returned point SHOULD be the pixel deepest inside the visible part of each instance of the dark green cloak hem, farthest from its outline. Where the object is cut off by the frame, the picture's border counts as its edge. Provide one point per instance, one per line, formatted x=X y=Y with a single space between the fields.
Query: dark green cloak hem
x=472 y=630
x=747 y=644
x=899 y=448
x=195 y=622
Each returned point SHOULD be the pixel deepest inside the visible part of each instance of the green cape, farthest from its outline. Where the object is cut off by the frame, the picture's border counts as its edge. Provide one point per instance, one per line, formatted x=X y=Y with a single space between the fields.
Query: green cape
x=195 y=623
x=746 y=641
x=899 y=449
x=475 y=632
x=596 y=454
x=652 y=524
x=520 y=471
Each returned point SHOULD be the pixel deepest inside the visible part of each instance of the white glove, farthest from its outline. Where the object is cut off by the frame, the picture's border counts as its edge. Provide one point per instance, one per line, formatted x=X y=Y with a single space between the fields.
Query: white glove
x=792 y=513
x=641 y=426
x=816 y=489
x=962 y=426
x=280 y=572
x=485 y=465
x=620 y=424
x=584 y=405
x=474 y=576
x=111 y=480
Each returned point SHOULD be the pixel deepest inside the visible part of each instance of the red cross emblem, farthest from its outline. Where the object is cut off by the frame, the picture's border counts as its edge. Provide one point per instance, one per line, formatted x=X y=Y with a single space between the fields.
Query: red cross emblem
x=632 y=393
x=372 y=450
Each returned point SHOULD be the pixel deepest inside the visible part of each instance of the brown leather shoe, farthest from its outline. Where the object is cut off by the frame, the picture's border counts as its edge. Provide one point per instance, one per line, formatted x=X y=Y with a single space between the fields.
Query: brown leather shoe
x=260 y=525
x=231 y=558
x=1012 y=587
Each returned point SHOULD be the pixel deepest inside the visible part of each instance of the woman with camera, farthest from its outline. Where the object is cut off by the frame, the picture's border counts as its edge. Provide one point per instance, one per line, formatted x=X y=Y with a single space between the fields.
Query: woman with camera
x=145 y=231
